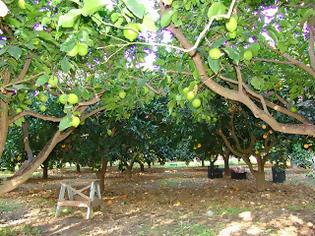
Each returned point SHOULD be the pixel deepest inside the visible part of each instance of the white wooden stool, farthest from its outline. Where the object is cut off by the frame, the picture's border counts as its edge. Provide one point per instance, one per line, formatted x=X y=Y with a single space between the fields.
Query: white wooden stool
x=81 y=200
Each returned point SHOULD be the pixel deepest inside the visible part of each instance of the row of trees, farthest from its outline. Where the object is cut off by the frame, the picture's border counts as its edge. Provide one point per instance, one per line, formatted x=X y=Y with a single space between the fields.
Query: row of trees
x=151 y=135
x=90 y=57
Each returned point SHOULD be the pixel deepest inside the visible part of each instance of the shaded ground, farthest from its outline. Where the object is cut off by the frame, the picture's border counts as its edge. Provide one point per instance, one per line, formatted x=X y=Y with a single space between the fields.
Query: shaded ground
x=180 y=201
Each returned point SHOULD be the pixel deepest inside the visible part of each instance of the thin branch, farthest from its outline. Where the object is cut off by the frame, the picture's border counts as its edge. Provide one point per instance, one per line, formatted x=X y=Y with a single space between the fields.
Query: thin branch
x=311 y=45
x=239 y=78
x=153 y=89
x=36 y=115
x=25 y=68
x=293 y=61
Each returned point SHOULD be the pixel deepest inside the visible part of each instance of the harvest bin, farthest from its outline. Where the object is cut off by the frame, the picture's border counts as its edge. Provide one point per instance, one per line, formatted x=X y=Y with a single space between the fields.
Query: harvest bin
x=237 y=175
x=278 y=174
x=215 y=172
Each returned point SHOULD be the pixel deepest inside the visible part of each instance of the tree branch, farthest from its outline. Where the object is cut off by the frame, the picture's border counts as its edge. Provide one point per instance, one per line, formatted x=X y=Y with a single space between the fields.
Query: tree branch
x=34 y=114
x=311 y=45
x=25 y=68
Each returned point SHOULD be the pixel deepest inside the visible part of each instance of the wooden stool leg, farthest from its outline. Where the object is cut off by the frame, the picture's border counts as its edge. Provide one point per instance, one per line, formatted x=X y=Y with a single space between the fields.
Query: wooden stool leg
x=89 y=213
x=61 y=197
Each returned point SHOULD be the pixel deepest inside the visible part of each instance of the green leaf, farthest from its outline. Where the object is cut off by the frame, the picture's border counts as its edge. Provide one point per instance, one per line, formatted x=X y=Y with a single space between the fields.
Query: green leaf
x=65 y=65
x=166 y=18
x=65 y=123
x=233 y=54
x=214 y=65
x=257 y=83
x=149 y=24
x=47 y=37
x=15 y=52
x=136 y=7
x=43 y=79
x=218 y=43
x=92 y=6
x=216 y=9
x=255 y=47
x=114 y=17
x=68 y=20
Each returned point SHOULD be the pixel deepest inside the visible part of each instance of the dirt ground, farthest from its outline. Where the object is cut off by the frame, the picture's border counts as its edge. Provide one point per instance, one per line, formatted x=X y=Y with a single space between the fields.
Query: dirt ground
x=181 y=201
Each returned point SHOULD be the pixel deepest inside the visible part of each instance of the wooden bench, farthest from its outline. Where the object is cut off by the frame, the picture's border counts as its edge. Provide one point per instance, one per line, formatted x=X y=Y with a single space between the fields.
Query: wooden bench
x=76 y=198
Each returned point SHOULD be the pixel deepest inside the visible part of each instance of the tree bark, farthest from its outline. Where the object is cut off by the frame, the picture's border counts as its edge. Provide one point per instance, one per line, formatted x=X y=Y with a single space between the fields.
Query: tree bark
x=45 y=169
x=4 y=115
x=202 y=162
x=141 y=167
x=78 y=168
x=227 y=171
x=101 y=174
x=28 y=168
x=26 y=141
x=260 y=180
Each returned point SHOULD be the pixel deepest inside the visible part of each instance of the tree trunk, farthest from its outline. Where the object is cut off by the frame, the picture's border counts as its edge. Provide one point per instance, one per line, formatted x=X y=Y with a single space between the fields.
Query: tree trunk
x=26 y=141
x=293 y=164
x=149 y=164
x=101 y=174
x=28 y=168
x=141 y=167
x=203 y=162
x=260 y=180
x=78 y=167
x=227 y=171
x=129 y=169
x=4 y=115
x=260 y=174
x=45 y=169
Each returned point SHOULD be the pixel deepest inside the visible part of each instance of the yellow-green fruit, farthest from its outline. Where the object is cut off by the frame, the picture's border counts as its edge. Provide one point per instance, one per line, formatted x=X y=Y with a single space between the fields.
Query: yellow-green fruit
x=21 y=4
x=122 y=94
x=231 y=25
x=248 y=55
x=215 y=53
x=18 y=110
x=42 y=108
x=53 y=81
x=232 y=35
x=186 y=91
x=196 y=103
x=167 y=2
x=190 y=95
x=132 y=32
x=73 y=99
x=293 y=109
x=43 y=98
x=145 y=90
x=83 y=49
x=109 y=132
x=63 y=98
x=74 y=51
x=75 y=121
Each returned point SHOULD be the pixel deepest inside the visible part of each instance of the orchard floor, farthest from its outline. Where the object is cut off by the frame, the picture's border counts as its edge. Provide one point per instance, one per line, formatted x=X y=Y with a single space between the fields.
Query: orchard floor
x=181 y=201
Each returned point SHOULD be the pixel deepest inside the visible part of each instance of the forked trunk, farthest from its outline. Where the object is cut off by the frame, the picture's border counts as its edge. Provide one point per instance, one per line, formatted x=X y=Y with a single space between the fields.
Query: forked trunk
x=28 y=168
